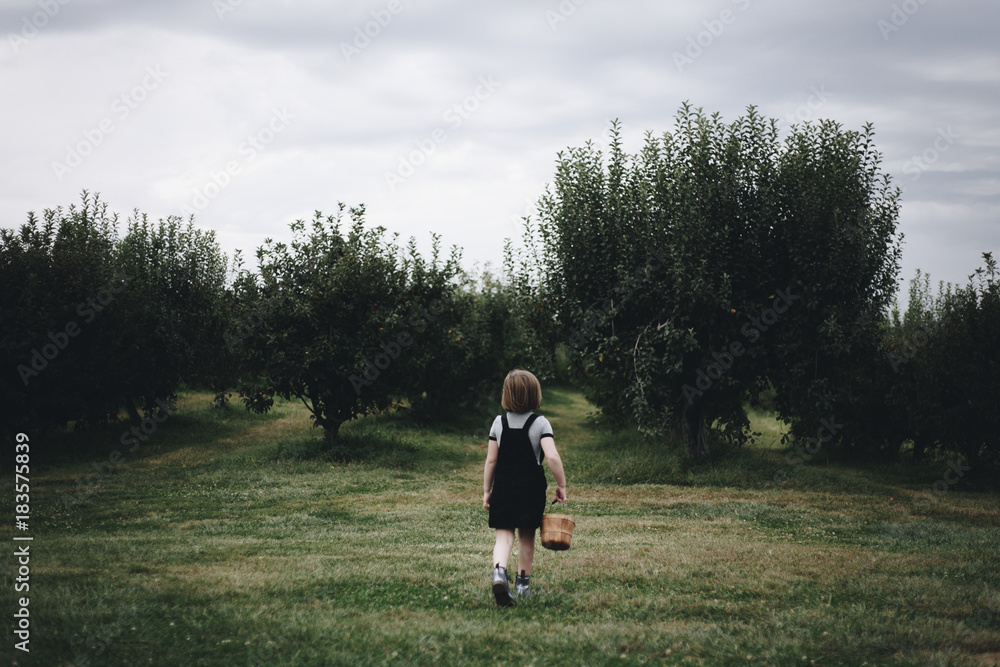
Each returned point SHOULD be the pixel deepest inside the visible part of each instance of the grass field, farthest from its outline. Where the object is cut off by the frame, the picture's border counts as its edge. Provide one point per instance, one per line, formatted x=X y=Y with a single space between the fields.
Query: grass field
x=225 y=539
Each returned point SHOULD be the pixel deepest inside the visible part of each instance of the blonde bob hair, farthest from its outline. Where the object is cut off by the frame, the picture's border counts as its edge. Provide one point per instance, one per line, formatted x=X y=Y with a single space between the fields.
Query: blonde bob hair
x=521 y=391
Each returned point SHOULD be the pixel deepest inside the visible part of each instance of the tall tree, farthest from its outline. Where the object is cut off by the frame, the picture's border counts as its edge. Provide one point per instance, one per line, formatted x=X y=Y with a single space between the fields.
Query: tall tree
x=338 y=312
x=716 y=260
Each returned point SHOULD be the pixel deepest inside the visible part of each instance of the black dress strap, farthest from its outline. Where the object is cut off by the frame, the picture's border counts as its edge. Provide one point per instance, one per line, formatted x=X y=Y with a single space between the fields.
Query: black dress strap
x=527 y=424
x=531 y=420
x=525 y=429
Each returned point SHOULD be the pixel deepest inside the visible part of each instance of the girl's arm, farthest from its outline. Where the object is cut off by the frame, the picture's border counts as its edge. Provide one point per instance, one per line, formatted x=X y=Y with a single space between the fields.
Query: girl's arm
x=556 y=466
x=491 y=465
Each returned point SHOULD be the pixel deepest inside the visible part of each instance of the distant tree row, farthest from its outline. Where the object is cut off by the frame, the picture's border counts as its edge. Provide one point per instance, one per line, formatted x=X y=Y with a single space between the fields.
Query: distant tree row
x=719 y=264
x=93 y=324
x=95 y=327
x=940 y=374
x=351 y=323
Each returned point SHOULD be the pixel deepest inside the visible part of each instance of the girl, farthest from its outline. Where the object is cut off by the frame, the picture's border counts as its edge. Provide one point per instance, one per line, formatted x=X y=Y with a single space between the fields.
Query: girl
x=514 y=481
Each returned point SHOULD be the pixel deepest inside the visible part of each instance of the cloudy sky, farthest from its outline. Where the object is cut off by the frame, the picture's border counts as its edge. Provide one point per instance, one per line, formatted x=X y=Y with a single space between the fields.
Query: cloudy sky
x=447 y=116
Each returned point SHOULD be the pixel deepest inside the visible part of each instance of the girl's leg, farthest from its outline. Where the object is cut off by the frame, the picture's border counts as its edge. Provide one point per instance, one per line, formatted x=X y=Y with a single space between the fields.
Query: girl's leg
x=501 y=550
x=525 y=550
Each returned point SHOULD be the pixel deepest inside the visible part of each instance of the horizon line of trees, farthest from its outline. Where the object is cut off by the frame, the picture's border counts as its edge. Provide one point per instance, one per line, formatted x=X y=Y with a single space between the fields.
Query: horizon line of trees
x=720 y=267
x=345 y=318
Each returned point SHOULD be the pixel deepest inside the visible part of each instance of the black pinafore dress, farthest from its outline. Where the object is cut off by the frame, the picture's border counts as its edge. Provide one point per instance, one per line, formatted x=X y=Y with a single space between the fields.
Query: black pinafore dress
x=518 y=499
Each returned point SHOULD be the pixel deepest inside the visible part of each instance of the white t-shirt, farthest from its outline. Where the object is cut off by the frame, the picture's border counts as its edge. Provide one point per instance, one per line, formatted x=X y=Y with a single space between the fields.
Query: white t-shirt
x=539 y=429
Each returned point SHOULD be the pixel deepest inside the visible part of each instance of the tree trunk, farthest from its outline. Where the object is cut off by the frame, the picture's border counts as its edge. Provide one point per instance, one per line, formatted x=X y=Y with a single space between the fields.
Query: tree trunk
x=694 y=432
x=331 y=432
x=133 y=412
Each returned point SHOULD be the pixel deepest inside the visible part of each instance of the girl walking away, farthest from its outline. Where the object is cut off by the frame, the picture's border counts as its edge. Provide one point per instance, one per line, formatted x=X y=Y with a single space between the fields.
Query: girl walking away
x=514 y=482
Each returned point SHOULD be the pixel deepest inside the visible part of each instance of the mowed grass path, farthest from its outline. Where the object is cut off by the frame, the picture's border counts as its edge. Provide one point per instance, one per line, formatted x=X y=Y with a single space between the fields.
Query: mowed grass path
x=225 y=539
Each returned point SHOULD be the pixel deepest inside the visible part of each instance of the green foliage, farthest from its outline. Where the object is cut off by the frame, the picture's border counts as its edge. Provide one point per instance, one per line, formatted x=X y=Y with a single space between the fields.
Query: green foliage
x=717 y=260
x=173 y=305
x=353 y=308
x=941 y=365
x=964 y=366
x=217 y=544
x=53 y=270
x=835 y=242
x=458 y=341
x=532 y=338
x=459 y=361
x=487 y=326
x=90 y=323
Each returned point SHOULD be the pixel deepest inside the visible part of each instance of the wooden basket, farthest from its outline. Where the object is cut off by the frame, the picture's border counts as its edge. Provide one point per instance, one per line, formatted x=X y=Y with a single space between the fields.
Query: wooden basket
x=557 y=531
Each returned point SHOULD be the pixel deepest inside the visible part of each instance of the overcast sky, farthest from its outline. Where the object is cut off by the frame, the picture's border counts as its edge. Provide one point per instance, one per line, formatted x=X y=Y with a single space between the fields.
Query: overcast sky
x=447 y=116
